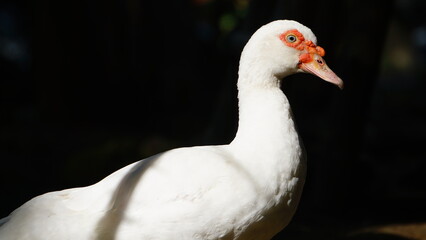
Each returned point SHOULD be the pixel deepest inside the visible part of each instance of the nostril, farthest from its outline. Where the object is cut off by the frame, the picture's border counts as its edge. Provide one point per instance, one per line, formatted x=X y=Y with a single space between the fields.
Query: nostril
x=320 y=61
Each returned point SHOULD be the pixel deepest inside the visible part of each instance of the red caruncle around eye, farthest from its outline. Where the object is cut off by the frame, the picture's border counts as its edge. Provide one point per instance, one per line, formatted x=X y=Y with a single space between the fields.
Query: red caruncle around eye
x=293 y=38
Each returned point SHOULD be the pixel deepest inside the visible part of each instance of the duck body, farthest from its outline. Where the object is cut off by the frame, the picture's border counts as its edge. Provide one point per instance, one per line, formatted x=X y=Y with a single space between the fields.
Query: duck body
x=212 y=192
x=248 y=189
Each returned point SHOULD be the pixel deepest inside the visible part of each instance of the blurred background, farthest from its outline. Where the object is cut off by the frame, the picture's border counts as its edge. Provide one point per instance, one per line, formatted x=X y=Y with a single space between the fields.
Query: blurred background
x=87 y=87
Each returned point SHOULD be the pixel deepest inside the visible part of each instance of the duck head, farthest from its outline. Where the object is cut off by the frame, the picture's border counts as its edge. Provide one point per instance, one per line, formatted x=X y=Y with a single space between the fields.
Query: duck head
x=282 y=48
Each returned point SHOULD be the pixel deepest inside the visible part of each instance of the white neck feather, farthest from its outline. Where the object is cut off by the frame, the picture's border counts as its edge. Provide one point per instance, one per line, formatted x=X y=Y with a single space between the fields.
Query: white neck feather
x=265 y=121
x=267 y=142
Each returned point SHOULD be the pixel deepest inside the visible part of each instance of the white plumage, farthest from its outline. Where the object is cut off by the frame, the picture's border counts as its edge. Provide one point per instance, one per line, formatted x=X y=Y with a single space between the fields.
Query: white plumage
x=248 y=189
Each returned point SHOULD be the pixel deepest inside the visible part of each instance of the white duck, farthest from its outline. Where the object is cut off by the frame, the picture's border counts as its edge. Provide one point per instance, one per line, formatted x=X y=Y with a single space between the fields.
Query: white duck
x=248 y=189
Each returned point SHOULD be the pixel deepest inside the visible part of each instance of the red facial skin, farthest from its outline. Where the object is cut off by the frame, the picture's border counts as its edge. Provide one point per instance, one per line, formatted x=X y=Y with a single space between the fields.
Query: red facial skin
x=301 y=44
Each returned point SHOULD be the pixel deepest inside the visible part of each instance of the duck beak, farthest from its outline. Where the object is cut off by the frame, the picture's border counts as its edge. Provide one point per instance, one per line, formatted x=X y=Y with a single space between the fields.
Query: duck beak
x=314 y=64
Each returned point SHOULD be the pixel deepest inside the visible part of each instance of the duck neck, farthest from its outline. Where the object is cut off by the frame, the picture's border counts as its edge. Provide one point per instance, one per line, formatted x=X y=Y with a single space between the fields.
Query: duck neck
x=265 y=128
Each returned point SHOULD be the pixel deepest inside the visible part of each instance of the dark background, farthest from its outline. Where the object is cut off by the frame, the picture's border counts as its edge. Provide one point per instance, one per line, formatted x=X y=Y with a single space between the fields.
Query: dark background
x=87 y=87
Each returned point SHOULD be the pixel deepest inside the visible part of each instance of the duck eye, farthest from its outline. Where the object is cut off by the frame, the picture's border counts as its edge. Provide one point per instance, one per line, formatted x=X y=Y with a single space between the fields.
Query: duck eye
x=291 y=38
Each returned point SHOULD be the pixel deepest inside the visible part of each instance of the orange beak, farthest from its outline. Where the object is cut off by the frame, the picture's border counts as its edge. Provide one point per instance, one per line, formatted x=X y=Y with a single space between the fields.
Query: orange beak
x=318 y=67
x=312 y=62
